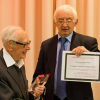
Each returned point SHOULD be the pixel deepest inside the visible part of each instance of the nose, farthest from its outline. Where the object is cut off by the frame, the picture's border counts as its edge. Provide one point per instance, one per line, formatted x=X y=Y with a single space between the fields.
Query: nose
x=65 y=24
x=27 y=47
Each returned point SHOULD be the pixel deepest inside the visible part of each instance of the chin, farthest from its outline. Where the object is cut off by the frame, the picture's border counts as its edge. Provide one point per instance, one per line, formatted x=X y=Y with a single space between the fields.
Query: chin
x=64 y=35
x=23 y=57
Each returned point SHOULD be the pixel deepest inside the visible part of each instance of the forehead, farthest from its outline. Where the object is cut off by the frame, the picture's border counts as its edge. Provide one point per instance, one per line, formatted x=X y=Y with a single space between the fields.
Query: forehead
x=64 y=14
x=21 y=35
x=20 y=31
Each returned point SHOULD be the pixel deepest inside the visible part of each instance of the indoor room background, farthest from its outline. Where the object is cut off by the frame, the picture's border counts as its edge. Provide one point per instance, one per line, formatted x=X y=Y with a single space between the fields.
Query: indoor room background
x=36 y=18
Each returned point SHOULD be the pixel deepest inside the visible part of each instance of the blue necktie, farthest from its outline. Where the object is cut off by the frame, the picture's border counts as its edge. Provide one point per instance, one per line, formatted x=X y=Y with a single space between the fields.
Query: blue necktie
x=61 y=85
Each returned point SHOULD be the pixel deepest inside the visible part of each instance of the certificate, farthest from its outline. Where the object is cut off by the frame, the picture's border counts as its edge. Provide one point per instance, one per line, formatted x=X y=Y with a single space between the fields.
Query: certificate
x=84 y=68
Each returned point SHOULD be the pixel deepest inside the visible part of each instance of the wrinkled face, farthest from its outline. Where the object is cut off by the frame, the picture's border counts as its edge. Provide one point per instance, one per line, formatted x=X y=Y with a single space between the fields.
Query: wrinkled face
x=65 y=23
x=20 y=47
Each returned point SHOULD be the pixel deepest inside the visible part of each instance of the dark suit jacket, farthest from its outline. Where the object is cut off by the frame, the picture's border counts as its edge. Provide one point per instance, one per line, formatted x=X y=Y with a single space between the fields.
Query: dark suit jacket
x=47 y=62
x=10 y=84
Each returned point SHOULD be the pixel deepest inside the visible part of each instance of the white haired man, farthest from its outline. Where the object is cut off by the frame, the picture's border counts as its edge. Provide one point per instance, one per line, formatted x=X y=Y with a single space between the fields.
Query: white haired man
x=13 y=82
x=49 y=61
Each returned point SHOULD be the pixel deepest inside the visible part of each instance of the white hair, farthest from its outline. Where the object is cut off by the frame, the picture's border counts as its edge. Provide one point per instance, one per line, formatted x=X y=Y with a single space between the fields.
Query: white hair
x=8 y=33
x=66 y=8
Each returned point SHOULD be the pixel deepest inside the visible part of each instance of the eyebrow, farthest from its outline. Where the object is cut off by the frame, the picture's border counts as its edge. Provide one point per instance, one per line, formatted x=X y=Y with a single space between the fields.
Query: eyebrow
x=64 y=18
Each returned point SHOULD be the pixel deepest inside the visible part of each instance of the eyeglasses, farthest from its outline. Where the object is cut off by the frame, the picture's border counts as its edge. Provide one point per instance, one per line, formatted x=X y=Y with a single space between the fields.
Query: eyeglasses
x=62 y=20
x=24 y=44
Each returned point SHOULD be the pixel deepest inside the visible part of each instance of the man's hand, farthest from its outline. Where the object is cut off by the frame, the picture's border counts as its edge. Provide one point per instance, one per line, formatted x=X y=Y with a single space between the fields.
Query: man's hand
x=79 y=50
x=39 y=90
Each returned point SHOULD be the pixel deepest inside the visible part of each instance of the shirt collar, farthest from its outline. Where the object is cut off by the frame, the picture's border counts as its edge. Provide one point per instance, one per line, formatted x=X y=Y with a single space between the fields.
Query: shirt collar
x=10 y=61
x=69 y=37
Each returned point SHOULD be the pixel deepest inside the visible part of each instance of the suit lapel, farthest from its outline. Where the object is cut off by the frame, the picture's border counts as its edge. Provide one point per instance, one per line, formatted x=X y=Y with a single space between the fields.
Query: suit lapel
x=75 y=41
x=52 y=54
x=24 y=76
x=13 y=73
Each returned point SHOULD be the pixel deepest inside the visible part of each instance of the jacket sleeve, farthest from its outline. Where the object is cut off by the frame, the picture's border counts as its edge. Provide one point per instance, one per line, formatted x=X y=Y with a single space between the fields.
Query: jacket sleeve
x=94 y=45
x=31 y=97
x=6 y=93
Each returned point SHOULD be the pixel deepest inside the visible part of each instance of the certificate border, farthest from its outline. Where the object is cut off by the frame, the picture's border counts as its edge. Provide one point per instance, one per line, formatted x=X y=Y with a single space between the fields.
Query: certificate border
x=78 y=79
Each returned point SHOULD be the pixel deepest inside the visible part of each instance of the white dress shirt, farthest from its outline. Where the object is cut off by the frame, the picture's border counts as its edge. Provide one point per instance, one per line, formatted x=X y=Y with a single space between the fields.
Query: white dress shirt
x=10 y=61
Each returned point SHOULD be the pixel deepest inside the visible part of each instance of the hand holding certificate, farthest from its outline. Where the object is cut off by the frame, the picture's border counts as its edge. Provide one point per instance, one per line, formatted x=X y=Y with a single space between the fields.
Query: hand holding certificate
x=84 y=68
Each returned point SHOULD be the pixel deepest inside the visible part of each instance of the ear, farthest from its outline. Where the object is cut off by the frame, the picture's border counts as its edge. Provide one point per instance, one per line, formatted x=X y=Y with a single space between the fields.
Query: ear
x=55 y=24
x=9 y=45
x=76 y=22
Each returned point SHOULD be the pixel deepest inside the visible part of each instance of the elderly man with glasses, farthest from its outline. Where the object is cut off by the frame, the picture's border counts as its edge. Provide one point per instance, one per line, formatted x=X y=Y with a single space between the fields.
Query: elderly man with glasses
x=13 y=82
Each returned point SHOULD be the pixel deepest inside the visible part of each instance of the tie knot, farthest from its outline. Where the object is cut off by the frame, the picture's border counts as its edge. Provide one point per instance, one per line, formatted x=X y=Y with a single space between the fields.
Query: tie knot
x=63 y=40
